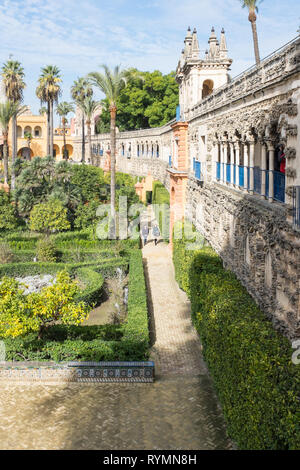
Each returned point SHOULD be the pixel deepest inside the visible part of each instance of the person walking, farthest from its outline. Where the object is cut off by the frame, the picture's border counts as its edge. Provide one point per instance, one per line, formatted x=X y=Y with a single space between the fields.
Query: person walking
x=156 y=233
x=145 y=233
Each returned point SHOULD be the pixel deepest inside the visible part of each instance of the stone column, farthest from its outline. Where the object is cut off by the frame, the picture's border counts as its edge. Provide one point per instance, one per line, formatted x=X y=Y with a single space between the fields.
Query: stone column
x=263 y=168
x=225 y=157
x=232 y=163
x=221 y=161
x=251 y=185
x=237 y=161
x=271 y=170
x=246 y=164
x=179 y=177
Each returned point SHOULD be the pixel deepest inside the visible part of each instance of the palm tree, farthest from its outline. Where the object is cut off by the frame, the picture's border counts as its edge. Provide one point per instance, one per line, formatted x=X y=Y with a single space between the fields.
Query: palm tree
x=88 y=107
x=7 y=111
x=48 y=91
x=111 y=83
x=13 y=79
x=42 y=110
x=253 y=9
x=79 y=91
x=63 y=109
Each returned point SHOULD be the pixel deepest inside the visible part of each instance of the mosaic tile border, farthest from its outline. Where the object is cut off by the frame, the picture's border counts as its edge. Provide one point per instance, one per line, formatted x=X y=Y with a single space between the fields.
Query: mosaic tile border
x=78 y=372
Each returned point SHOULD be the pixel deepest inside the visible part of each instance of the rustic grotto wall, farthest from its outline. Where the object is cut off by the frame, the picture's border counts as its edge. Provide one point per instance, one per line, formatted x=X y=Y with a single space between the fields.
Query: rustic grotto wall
x=256 y=243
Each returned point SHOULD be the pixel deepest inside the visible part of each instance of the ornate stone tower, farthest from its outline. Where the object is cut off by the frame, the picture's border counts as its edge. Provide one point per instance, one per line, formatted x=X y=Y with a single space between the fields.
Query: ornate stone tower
x=199 y=77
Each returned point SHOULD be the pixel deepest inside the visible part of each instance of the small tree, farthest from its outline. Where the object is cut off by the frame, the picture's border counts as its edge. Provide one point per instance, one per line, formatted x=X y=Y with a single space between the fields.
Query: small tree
x=8 y=219
x=49 y=217
x=21 y=314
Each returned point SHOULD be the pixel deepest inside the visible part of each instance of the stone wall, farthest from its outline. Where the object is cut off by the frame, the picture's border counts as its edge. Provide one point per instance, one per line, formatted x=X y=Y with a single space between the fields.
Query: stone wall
x=257 y=243
x=143 y=167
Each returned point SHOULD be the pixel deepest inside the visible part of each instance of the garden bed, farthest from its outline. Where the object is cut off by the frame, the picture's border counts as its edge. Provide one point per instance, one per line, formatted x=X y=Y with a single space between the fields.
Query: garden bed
x=125 y=342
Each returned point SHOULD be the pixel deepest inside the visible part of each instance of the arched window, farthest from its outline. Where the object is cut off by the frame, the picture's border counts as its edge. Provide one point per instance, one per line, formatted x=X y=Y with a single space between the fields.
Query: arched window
x=37 y=132
x=27 y=130
x=207 y=89
x=56 y=150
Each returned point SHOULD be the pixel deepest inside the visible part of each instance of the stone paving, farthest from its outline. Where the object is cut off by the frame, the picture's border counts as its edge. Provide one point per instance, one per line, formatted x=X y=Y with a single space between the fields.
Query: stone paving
x=177 y=349
x=178 y=411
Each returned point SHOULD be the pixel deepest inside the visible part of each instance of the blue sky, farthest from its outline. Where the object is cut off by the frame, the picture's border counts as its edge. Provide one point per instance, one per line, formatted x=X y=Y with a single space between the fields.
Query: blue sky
x=78 y=35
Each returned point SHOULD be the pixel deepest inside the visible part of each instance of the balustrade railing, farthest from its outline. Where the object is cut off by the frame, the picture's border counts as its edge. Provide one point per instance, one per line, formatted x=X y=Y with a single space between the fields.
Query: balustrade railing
x=218 y=171
x=198 y=170
x=279 y=186
x=241 y=176
x=225 y=173
x=228 y=173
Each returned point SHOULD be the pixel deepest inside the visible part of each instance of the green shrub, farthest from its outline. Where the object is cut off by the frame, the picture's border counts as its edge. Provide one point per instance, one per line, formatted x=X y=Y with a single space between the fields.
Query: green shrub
x=88 y=180
x=8 y=219
x=257 y=383
x=6 y=254
x=21 y=314
x=49 y=217
x=85 y=214
x=46 y=250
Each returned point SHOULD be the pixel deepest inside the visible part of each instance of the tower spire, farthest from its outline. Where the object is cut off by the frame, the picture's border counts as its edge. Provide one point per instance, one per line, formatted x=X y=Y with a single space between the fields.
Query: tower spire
x=213 y=42
x=195 y=45
x=223 y=46
x=188 y=43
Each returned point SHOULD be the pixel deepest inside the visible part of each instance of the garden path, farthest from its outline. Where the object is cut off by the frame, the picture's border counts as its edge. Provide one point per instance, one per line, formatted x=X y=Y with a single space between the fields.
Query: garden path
x=177 y=348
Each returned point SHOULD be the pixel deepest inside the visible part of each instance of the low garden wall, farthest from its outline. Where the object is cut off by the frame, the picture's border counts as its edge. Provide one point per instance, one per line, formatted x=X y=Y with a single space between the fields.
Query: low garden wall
x=78 y=372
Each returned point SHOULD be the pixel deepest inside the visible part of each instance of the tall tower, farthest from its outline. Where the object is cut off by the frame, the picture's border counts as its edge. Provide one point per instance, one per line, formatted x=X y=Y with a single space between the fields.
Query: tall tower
x=199 y=77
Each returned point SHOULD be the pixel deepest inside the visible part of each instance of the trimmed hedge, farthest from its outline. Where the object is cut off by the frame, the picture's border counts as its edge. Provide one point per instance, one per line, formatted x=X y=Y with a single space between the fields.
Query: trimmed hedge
x=135 y=342
x=129 y=341
x=160 y=197
x=93 y=282
x=66 y=256
x=251 y=363
x=67 y=241
x=106 y=268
